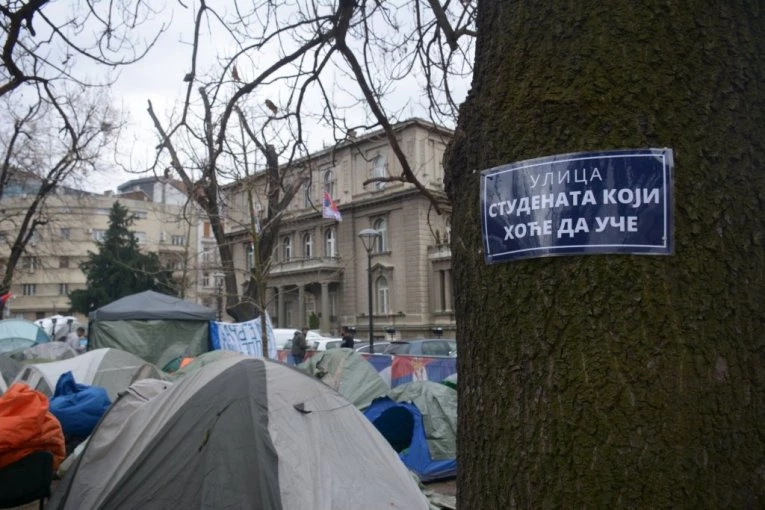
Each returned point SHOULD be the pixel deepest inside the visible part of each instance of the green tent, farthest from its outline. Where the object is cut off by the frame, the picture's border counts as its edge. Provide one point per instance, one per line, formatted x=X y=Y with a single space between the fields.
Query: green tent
x=438 y=405
x=153 y=326
x=347 y=372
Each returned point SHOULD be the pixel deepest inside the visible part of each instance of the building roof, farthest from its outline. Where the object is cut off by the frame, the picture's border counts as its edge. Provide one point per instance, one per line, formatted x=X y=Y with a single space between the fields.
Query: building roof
x=349 y=142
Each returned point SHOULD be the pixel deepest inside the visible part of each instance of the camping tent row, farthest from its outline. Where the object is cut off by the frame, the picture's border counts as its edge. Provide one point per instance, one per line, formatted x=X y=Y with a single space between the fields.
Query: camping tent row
x=419 y=419
x=111 y=369
x=238 y=432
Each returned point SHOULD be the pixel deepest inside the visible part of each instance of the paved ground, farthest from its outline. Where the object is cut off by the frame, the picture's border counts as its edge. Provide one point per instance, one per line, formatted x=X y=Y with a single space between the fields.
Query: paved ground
x=444 y=487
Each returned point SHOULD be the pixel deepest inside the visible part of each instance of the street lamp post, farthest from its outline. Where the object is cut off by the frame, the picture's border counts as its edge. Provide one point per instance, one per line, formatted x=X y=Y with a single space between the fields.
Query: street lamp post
x=368 y=237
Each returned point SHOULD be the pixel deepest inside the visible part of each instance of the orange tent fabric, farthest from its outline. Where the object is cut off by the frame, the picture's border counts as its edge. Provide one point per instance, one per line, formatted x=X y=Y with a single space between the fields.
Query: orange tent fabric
x=26 y=426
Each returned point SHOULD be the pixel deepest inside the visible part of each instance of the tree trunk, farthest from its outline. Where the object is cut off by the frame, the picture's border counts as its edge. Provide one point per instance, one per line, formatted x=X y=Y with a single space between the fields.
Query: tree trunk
x=617 y=381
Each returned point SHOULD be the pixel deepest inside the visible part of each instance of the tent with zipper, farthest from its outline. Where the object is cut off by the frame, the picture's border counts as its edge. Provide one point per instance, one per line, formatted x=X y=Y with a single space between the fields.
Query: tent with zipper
x=153 y=326
x=239 y=432
x=419 y=419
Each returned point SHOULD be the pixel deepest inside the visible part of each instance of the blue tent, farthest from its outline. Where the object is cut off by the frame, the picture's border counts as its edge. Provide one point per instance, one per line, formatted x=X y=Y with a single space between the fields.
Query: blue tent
x=18 y=334
x=402 y=425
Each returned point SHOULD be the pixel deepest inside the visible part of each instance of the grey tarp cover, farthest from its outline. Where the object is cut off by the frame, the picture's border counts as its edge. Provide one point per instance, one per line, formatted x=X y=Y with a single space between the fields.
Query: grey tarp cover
x=240 y=432
x=153 y=326
x=111 y=369
x=438 y=405
x=349 y=373
x=150 y=305
x=51 y=351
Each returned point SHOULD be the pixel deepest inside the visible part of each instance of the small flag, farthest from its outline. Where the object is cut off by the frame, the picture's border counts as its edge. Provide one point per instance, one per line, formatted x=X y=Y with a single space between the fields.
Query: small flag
x=5 y=297
x=329 y=209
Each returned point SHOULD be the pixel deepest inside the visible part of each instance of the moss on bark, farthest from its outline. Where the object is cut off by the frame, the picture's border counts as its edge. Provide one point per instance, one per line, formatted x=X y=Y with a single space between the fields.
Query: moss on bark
x=617 y=381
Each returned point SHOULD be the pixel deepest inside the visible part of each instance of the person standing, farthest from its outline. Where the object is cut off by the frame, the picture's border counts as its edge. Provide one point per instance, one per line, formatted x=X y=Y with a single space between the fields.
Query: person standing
x=299 y=345
x=77 y=340
x=348 y=341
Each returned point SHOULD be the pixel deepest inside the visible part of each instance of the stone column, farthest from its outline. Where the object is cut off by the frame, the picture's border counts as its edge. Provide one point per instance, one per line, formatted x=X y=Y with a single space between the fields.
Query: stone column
x=280 y=315
x=270 y=304
x=448 y=290
x=324 y=324
x=301 y=319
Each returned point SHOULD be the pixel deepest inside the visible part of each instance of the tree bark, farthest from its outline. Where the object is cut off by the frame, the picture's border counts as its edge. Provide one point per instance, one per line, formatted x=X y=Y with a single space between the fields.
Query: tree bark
x=617 y=381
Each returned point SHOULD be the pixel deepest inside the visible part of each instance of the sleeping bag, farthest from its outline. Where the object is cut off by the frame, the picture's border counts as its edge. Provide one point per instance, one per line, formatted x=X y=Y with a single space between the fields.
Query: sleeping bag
x=78 y=406
x=26 y=426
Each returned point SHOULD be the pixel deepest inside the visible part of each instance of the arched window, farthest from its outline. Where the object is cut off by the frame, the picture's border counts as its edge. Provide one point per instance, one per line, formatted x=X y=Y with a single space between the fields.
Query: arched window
x=381 y=290
x=286 y=249
x=307 y=245
x=330 y=248
x=381 y=244
x=379 y=169
x=329 y=183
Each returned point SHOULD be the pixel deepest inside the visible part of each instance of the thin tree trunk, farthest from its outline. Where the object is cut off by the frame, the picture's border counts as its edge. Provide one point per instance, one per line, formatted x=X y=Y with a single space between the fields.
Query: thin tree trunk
x=617 y=381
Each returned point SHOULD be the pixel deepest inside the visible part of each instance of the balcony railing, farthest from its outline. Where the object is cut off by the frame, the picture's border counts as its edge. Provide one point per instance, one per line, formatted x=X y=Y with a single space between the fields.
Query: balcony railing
x=304 y=264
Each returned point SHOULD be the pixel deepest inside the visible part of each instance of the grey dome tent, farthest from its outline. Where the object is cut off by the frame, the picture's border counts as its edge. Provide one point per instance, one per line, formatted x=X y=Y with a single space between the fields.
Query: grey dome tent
x=153 y=326
x=239 y=432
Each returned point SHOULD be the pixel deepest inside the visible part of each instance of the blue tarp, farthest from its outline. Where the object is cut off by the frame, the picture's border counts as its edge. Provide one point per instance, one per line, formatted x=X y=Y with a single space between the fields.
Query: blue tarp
x=78 y=406
x=401 y=424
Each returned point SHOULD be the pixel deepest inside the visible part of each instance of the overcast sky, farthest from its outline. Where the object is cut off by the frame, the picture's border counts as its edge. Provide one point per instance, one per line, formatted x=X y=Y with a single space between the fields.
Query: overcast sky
x=159 y=78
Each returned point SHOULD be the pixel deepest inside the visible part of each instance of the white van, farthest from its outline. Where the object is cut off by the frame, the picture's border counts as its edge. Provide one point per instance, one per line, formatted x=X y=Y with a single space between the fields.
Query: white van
x=284 y=335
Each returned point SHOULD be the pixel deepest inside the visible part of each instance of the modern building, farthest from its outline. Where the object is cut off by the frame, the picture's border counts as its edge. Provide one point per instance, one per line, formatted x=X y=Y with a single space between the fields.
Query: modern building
x=50 y=267
x=320 y=265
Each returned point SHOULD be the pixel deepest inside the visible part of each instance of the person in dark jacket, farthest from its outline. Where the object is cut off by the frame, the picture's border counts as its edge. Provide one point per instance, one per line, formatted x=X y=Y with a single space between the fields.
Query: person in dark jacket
x=347 y=338
x=299 y=345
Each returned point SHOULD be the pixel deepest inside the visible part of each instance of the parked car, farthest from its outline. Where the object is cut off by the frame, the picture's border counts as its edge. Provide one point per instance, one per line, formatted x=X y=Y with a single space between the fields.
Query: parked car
x=362 y=346
x=424 y=347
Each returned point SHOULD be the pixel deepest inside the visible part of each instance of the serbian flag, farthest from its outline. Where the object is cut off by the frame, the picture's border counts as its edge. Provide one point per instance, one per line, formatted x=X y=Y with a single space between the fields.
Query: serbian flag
x=329 y=209
x=405 y=369
x=5 y=297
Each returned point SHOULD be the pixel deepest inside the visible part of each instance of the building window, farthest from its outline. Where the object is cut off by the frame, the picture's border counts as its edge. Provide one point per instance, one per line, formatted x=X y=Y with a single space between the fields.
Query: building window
x=140 y=237
x=178 y=240
x=207 y=229
x=287 y=249
x=97 y=235
x=307 y=195
x=29 y=289
x=379 y=169
x=442 y=290
x=63 y=289
x=65 y=233
x=381 y=242
x=308 y=245
x=329 y=243
x=329 y=182
x=205 y=279
x=381 y=290
x=249 y=249
x=63 y=262
x=140 y=215
x=29 y=264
